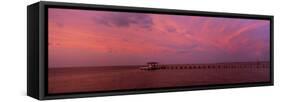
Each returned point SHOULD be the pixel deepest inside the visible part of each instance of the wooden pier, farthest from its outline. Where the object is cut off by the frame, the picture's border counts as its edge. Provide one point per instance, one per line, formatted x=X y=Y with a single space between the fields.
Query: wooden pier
x=157 y=66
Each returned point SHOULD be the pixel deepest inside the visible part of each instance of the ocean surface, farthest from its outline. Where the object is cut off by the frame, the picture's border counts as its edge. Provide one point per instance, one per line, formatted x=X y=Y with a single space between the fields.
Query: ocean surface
x=96 y=79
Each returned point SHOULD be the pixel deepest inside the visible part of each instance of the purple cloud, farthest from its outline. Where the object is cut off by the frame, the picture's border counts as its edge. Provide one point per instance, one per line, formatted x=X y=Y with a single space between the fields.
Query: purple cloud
x=126 y=20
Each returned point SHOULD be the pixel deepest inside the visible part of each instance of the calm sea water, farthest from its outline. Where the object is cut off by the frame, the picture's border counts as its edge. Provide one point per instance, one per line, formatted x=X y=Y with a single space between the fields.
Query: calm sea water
x=93 y=79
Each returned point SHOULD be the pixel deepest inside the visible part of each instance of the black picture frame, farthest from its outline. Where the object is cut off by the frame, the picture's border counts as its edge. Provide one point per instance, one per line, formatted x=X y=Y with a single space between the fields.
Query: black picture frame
x=37 y=48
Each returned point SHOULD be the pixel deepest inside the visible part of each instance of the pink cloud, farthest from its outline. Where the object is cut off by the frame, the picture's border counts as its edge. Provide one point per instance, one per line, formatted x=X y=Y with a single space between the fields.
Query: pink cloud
x=98 y=38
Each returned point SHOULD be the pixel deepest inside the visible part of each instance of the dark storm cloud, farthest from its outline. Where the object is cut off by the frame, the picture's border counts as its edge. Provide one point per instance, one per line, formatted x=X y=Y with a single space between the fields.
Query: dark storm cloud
x=126 y=20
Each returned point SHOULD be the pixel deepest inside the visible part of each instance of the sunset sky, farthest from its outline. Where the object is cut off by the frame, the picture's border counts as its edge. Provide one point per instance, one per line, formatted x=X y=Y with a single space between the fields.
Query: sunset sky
x=104 y=38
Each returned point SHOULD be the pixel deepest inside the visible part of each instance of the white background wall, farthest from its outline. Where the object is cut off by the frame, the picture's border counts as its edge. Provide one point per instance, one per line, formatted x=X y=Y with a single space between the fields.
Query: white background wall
x=13 y=51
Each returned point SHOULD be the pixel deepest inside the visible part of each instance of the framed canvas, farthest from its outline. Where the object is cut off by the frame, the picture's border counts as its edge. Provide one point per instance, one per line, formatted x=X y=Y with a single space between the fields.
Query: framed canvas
x=82 y=50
